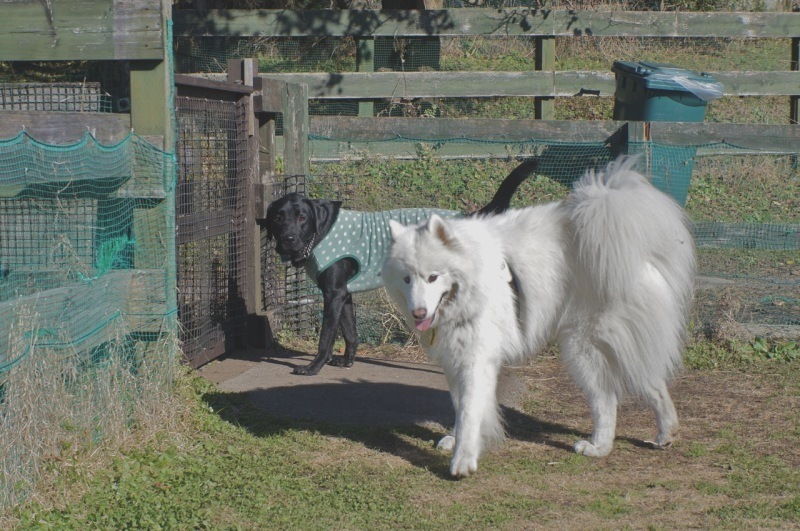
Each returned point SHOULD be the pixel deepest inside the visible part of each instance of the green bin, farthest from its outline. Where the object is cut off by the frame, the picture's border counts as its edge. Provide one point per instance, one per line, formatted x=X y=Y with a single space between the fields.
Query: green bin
x=655 y=92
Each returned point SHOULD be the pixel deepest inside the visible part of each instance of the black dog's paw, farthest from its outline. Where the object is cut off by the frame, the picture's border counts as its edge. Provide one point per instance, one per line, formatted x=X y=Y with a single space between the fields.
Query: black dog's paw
x=341 y=361
x=307 y=370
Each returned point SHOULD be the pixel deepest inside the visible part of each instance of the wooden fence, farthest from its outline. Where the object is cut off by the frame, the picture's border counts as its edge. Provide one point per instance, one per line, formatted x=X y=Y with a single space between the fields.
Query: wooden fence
x=544 y=83
x=109 y=30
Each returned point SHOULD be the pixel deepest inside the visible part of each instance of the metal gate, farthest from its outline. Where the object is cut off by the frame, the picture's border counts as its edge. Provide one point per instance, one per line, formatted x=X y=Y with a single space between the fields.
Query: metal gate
x=212 y=224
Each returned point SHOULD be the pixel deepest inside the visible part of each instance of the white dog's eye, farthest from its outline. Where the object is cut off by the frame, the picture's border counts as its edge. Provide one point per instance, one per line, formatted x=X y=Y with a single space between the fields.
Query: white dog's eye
x=432 y=278
x=407 y=279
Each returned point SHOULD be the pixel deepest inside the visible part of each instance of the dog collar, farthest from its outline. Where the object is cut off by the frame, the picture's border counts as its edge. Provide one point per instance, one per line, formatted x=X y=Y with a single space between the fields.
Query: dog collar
x=300 y=260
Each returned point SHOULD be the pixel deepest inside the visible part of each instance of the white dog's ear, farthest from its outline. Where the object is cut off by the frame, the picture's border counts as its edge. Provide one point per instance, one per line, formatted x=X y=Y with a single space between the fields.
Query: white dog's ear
x=397 y=229
x=438 y=227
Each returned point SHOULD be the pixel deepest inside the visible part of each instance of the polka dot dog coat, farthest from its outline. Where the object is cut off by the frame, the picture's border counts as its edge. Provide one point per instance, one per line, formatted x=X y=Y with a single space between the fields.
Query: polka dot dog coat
x=364 y=237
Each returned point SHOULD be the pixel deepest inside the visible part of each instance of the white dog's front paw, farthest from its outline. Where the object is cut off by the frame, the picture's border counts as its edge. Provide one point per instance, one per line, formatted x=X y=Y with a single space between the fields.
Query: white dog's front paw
x=447 y=443
x=587 y=448
x=663 y=441
x=463 y=465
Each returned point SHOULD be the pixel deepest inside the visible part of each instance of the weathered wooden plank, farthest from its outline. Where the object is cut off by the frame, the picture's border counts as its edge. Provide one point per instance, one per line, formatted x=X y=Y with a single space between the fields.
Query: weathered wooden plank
x=754 y=137
x=422 y=84
x=545 y=61
x=80 y=29
x=359 y=23
x=495 y=137
x=794 y=101
x=65 y=127
x=355 y=85
x=346 y=129
x=676 y=24
x=484 y=21
x=204 y=85
x=325 y=150
x=294 y=101
x=267 y=96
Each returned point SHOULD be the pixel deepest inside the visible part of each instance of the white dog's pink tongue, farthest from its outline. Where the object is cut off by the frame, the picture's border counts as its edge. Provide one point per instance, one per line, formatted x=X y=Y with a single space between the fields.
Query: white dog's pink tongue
x=424 y=324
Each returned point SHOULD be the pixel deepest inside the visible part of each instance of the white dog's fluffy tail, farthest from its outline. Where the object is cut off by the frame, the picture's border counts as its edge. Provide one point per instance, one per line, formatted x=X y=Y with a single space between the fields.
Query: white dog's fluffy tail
x=634 y=251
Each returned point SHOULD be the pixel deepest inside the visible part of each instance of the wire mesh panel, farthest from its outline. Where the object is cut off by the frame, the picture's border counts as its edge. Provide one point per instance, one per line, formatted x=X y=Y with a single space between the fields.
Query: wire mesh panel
x=211 y=196
x=60 y=97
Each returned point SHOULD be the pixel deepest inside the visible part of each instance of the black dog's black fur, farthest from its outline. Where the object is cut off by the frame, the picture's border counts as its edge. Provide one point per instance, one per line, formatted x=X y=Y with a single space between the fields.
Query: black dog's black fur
x=298 y=224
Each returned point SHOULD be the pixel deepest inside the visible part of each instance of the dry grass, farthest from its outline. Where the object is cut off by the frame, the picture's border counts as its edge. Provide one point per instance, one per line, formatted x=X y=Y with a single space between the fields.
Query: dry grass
x=60 y=406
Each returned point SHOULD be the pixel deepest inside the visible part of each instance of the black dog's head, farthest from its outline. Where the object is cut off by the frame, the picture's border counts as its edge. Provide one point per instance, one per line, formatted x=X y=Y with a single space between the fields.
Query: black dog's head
x=298 y=224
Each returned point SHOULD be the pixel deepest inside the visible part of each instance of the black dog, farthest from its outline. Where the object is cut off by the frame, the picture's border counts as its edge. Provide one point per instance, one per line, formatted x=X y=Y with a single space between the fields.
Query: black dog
x=299 y=225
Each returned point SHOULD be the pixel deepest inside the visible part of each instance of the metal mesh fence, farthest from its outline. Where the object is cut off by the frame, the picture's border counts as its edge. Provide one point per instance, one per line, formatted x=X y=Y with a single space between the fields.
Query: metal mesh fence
x=65 y=86
x=211 y=224
x=54 y=97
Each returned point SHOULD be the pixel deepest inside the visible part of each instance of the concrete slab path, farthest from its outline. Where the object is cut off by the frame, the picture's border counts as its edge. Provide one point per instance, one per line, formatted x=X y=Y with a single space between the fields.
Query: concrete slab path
x=372 y=392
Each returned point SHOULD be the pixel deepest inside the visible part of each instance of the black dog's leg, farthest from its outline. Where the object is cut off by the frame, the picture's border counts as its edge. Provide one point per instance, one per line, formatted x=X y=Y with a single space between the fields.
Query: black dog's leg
x=347 y=324
x=333 y=283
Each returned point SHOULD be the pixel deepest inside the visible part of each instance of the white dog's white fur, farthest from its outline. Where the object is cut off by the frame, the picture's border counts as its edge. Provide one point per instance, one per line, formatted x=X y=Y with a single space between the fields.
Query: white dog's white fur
x=608 y=273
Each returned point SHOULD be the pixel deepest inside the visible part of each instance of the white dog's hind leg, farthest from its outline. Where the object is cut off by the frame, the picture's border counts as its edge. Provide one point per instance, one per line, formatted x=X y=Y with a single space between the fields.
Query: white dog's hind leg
x=477 y=416
x=590 y=370
x=604 y=414
x=666 y=417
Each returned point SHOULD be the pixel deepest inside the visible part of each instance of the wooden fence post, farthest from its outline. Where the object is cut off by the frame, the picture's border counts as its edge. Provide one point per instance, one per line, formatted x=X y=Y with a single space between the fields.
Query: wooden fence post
x=794 y=101
x=295 y=128
x=259 y=334
x=151 y=115
x=544 y=108
x=365 y=62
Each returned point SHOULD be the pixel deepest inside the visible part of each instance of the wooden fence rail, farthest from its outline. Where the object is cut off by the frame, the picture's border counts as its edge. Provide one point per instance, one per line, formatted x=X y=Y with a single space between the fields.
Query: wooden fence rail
x=543 y=84
x=483 y=21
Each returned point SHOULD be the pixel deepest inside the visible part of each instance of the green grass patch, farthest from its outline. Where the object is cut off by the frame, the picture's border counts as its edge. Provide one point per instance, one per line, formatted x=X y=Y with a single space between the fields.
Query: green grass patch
x=230 y=467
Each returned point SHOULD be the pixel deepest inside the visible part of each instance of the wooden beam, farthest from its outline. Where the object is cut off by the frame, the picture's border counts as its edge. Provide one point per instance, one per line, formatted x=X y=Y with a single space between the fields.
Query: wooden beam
x=59 y=30
x=267 y=98
x=483 y=21
x=295 y=129
x=794 y=101
x=344 y=129
x=545 y=61
x=65 y=127
x=748 y=137
x=399 y=137
x=354 y=85
x=223 y=88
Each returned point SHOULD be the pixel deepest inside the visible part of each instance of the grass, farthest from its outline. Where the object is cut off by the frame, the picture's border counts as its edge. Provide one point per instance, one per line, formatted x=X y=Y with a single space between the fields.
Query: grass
x=59 y=407
x=226 y=466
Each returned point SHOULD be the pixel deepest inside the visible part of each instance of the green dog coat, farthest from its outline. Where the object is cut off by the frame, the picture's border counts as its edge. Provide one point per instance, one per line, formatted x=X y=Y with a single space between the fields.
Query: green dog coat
x=364 y=237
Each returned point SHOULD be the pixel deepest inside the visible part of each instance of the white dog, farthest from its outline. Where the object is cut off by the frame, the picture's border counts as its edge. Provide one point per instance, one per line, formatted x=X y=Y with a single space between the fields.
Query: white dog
x=608 y=272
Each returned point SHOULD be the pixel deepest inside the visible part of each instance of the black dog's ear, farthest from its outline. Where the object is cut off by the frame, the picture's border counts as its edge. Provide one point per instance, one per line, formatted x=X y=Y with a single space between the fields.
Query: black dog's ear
x=271 y=209
x=325 y=213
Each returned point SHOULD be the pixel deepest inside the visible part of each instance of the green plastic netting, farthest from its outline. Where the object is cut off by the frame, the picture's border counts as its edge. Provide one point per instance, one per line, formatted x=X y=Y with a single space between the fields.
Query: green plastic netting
x=82 y=248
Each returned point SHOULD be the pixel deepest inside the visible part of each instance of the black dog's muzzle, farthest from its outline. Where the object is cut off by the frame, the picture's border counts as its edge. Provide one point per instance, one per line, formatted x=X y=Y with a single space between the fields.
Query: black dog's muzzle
x=298 y=259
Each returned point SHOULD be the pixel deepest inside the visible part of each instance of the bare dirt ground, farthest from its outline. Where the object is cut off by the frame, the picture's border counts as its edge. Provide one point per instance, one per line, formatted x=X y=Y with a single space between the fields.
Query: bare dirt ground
x=737 y=460
x=735 y=465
